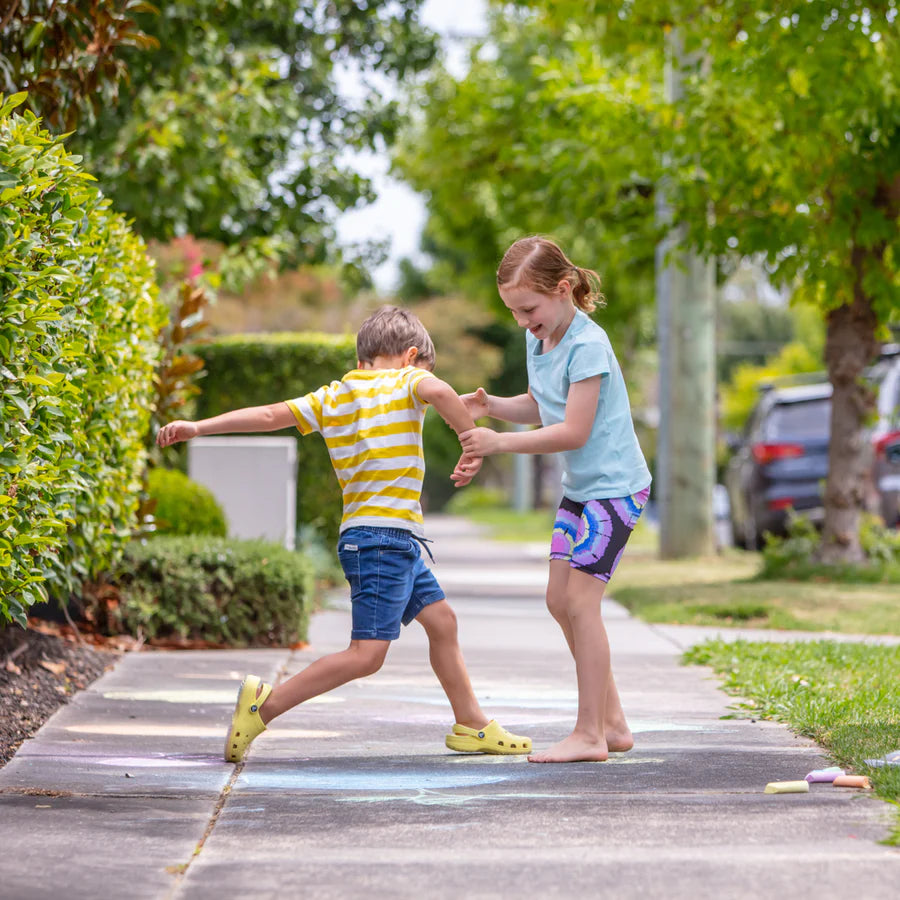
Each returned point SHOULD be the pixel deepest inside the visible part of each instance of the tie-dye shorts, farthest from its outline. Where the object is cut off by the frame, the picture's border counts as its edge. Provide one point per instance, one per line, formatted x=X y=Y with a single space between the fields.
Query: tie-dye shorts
x=593 y=534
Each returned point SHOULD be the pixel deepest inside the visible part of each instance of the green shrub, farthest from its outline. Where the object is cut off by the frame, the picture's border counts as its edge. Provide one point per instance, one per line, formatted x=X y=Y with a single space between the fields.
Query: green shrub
x=476 y=497
x=241 y=593
x=794 y=556
x=253 y=370
x=183 y=506
x=78 y=323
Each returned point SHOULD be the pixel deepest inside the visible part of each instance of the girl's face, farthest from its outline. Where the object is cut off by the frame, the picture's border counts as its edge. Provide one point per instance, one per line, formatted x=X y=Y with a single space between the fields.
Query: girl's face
x=546 y=316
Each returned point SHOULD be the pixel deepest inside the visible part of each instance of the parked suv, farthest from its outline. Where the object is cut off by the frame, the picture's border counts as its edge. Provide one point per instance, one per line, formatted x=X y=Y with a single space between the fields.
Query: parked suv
x=886 y=436
x=781 y=460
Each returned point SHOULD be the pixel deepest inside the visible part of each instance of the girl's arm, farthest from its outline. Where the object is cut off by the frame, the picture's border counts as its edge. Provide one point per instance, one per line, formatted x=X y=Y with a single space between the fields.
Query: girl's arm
x=250 y=419
x=581 y=409
x=522 y=409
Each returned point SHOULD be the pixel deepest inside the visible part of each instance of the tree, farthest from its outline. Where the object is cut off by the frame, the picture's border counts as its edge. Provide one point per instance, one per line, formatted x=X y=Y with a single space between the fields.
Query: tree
x=785 y=143
x=220 y=118
x=67 y=54
x=498 y=155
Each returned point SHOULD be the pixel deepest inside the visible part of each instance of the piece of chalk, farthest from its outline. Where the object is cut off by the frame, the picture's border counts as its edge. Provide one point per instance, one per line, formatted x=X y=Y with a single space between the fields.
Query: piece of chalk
x=824 y=775
x=857 y=781
x=787 y=787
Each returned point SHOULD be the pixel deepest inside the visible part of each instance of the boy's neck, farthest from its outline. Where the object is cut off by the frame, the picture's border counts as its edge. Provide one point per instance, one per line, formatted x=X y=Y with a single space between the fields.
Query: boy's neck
x=382 y=362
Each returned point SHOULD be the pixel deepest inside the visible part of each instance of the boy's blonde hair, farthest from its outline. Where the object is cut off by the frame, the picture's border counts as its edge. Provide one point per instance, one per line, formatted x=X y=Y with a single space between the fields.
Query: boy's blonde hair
x=390 y=331
x=539 y=264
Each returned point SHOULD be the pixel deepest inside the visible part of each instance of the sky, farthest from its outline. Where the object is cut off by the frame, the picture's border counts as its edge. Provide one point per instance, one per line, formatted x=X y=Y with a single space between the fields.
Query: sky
x=399 y=212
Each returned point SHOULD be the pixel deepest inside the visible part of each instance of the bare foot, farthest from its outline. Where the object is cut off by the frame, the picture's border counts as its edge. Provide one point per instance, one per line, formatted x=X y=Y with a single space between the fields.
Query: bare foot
x=619 y=741
x=573 y=749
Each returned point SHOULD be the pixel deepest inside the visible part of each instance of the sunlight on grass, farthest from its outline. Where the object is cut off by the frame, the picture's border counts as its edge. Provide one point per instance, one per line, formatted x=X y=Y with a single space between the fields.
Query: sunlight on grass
x=844 y=696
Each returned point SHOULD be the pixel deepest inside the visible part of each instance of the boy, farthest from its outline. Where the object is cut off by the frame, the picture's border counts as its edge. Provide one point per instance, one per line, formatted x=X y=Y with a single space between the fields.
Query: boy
x=372 y=424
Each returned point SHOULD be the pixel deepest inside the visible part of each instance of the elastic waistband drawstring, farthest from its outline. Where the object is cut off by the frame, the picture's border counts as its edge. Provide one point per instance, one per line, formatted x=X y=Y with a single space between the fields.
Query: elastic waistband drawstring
x=424 y=542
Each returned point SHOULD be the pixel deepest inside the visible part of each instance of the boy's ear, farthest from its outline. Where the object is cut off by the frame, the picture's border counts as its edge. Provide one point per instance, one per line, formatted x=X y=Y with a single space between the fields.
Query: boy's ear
x=409 y=356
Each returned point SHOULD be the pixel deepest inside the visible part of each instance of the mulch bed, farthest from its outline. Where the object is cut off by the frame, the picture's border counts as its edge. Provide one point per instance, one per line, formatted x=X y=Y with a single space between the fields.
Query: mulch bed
x=41 y=669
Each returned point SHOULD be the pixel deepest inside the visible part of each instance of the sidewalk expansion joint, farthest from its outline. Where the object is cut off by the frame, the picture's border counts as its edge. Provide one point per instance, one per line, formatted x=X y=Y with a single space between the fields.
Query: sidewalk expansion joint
x=182 y=870
x=657 y=630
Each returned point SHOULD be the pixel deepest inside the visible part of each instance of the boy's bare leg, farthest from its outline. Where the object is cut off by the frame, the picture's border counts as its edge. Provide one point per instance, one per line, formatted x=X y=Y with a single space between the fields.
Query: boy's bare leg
x=439 y=622
x=361 y=658
x=573 y=599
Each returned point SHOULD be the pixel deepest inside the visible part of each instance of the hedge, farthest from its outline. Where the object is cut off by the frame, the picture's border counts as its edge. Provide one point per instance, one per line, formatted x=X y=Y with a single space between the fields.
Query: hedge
x=78 y=328
x=234 y=592
x=254 y=370
x=183 y=506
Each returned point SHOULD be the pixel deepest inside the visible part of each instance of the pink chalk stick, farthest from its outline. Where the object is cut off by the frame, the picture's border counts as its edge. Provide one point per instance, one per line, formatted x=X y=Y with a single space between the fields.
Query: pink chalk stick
x=824 y=775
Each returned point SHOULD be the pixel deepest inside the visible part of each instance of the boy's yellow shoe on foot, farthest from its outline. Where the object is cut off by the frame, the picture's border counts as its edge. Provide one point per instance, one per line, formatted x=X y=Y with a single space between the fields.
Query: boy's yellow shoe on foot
x=493 y=738
x=246 y=723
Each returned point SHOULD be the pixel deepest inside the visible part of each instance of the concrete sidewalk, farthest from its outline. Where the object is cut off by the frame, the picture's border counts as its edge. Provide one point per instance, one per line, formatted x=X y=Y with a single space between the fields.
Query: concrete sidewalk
x=123 y=793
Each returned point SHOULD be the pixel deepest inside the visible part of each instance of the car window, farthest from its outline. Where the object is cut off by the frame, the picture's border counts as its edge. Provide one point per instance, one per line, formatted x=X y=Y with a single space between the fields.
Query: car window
x=806 y=420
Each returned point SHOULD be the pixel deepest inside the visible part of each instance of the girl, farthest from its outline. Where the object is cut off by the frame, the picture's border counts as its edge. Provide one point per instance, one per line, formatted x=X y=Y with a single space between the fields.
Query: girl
x=577 y=393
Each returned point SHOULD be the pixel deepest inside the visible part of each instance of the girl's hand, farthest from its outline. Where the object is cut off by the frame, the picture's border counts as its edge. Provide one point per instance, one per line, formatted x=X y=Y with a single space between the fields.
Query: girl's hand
x=480 y=442
x=478 y=404
x=176 y=431
x=466 y=469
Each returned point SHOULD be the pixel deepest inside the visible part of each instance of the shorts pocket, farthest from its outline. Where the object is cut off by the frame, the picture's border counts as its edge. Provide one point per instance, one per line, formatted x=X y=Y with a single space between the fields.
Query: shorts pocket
x=348 y=556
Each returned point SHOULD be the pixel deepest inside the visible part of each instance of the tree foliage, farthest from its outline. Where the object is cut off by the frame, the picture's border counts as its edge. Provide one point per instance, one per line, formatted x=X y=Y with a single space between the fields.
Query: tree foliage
x=223 y=119
x=68 y=54
x=235 y=130
x=499 y=154
x=785 y=143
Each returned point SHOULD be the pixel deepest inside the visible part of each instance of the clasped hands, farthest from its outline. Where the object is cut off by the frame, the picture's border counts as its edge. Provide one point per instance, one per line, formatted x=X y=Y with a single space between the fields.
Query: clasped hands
x=476 y=443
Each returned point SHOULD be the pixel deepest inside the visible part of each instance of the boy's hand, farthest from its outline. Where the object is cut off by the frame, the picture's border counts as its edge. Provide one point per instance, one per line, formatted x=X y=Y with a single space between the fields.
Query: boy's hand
x=466 y=469
x=176 y=431
x=480 y=442
x=478 y=404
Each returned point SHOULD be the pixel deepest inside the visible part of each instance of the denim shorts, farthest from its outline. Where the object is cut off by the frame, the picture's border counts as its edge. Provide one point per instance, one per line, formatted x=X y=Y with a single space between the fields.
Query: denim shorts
x=389 y=581
x=592 y=535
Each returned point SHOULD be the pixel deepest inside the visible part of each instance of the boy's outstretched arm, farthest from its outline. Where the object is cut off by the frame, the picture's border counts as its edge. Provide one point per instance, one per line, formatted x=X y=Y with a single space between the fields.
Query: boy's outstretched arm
x=273 y=417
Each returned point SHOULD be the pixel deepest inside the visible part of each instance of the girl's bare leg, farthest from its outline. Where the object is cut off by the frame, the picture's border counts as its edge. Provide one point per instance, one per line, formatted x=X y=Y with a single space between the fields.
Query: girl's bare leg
x=573 y=599
x=361 y=658
x=439 y=622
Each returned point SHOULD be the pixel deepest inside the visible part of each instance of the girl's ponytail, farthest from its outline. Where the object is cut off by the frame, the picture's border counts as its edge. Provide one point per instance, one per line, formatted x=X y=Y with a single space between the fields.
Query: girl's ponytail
x=586 y=290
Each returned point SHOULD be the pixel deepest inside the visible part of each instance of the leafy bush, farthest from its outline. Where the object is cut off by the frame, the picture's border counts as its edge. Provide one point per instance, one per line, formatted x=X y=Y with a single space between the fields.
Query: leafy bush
x=241 y=593
x=253 y=370
x=477 y=497
x=794 y=556
x=78 y=325
x=183 y=506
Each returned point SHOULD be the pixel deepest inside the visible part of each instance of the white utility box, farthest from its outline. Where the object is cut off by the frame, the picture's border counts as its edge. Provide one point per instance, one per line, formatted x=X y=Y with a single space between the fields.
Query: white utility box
x=255 y=481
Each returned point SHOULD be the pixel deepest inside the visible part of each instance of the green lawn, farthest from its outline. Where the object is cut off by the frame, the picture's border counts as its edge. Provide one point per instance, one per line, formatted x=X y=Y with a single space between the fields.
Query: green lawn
x=720 y=591
x=845 y=697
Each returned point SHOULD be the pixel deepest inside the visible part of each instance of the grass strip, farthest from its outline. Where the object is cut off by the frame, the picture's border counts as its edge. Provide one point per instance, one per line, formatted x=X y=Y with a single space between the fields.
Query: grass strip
x=845 y=696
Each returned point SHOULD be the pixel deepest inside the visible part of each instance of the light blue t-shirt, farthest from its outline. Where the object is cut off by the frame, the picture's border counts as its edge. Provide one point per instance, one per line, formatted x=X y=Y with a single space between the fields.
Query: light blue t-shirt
x=611 y=463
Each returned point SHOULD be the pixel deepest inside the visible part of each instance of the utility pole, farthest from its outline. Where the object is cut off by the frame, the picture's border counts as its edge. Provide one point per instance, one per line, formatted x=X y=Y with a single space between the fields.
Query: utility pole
x=685 y=290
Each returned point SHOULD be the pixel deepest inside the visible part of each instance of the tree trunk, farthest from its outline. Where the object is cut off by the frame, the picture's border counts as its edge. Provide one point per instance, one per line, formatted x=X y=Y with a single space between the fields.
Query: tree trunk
x=850 y=346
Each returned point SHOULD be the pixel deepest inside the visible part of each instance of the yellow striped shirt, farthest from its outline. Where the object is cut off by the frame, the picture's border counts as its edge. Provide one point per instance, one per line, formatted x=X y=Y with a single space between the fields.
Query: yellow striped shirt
x=372 y=424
